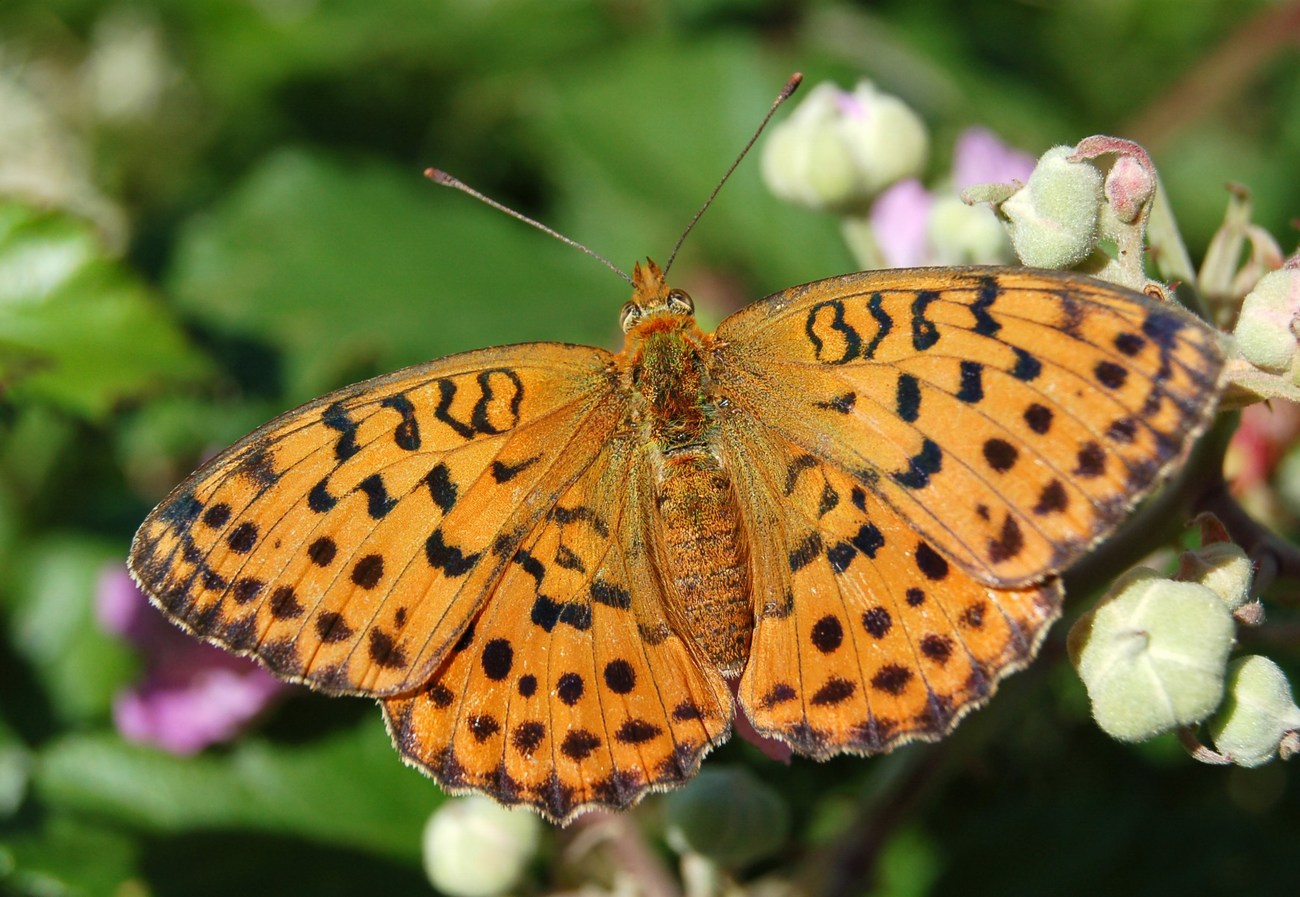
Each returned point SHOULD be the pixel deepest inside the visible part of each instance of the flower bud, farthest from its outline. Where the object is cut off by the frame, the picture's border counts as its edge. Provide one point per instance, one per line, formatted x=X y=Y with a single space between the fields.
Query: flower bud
x=1129 y=186
x=474 y=847
x=966 y=235
x=1053 y=218
x=1223 y=568
x=1258 y=713
x=1267 y=327
x=837 y=150
x=1152 y=654
x=728 y=815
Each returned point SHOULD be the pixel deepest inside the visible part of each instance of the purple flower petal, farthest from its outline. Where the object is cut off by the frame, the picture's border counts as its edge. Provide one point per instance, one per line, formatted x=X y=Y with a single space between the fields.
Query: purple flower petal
x=193 y=694
x=980 y=157
x=898 y=219
x=849 y=104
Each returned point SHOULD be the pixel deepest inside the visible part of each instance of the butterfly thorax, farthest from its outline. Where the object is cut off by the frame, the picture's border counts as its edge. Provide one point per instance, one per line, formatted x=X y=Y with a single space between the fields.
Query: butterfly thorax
x=698 y=545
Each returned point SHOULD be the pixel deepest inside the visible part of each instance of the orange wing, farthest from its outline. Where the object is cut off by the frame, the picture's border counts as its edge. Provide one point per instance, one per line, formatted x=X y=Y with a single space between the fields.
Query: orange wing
x=865 y=636
x=1011 y=416
x=350 y=542
x=571 y=689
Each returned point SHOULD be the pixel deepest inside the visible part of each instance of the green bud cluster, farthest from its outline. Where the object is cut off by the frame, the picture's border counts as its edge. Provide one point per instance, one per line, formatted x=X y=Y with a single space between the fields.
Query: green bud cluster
x=1053 y=218
x=1259 y=717
x=1268 y=326
x=1153 y=656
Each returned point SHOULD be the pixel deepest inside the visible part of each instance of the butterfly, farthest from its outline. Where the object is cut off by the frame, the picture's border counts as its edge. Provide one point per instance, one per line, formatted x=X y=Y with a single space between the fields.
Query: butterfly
x=551 y=564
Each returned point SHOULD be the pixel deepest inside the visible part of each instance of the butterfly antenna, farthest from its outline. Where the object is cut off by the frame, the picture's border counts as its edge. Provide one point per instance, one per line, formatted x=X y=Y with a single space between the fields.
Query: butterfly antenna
x=790 y=87
x=441 y=177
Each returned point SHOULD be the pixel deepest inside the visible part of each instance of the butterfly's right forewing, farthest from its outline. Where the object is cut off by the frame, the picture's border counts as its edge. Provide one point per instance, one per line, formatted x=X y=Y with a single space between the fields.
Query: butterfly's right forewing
x=350 y=542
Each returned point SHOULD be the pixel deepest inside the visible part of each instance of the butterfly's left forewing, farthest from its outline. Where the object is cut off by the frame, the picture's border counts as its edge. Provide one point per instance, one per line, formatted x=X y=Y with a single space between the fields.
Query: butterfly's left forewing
x=348 y=543
x=1011 y=416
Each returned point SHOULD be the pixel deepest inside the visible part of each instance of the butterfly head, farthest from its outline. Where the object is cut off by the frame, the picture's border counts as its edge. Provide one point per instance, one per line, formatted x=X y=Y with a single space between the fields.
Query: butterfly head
x=651 y=295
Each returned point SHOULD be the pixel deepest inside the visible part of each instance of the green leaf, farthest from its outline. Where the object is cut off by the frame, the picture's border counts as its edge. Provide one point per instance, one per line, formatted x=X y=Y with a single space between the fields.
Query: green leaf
x=636 y=167
x=52 y=625
x=346 y=788
x=360 y=268
x=62 y=856
x=77 y=329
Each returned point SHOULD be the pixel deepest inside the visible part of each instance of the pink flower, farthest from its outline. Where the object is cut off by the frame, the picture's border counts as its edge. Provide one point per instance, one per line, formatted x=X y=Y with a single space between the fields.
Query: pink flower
x=193 y=694
x=902 y=216
x=900 y=220
x=1266 y=432
x=980 y=157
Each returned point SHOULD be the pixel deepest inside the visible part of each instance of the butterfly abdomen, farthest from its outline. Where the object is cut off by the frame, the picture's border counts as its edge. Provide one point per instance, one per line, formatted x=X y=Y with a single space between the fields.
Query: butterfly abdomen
x=703 y=552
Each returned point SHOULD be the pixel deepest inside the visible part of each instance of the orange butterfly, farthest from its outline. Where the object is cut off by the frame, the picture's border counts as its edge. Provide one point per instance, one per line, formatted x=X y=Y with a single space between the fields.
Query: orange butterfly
x=546 y=560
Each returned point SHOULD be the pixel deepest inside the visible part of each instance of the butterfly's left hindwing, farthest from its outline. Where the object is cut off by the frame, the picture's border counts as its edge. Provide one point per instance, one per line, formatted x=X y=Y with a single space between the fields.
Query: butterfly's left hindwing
x=1012 y=416
x=571 y=689
x=348 y=543
x=865 y=637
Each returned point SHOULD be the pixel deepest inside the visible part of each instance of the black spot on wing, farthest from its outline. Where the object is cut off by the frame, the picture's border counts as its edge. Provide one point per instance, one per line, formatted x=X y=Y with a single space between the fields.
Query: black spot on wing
x=242 y=538
x=1027 y=367
x=335 y=416
x=322 y=551
x=924 y=333
x=368 y=571
x=1009 y=543
x=833 y=691
x=891 y=679
x=1000 y=455
x=448 y=558
x=497 y=658
x=530 y=565
x=985 y=325
x=797 y=466
x=384 y=652
x=920 y=466
x=407 y=433
x=216 y=515
x=805 y=552
x=1038 y=418
x=183 y=510
x=442 y=489
x=1091 y=461
x=504 y=473
x=841 y=404
x=1110 y=375
x=1129 y=344
x=319 y=498
x=827 y=634
x=378 y=502
x=548 y=613
x=1053 y=499
x=907 y=398
x=971 y=390
x=610 y=595
x=931 y=564
x=1163 y=327
x=258 y=466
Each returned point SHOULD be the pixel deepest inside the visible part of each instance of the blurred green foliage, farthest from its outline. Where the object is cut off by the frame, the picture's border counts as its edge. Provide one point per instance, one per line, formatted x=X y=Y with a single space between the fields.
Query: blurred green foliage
x=212 y=211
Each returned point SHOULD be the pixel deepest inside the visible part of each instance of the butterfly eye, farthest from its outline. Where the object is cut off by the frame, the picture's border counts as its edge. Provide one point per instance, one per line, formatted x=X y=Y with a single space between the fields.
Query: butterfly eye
x=679 y=301
x=630 y=314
